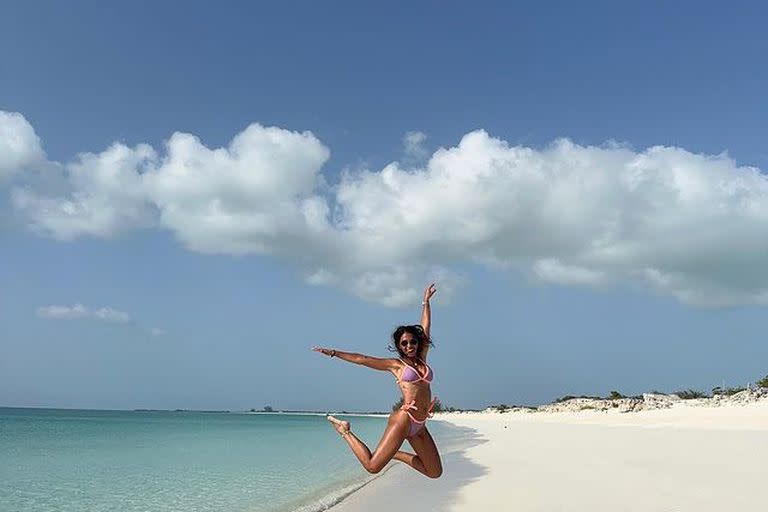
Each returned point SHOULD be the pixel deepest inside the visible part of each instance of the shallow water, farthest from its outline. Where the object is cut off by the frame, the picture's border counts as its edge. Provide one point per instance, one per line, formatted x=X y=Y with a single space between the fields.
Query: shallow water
x=77 y=460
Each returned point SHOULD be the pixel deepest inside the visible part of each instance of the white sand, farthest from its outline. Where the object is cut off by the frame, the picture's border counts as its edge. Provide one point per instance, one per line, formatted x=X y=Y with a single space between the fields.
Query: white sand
x=696 y=459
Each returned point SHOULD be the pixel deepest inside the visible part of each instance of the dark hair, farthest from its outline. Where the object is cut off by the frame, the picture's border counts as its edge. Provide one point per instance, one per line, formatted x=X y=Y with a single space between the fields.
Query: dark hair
x=417 y=331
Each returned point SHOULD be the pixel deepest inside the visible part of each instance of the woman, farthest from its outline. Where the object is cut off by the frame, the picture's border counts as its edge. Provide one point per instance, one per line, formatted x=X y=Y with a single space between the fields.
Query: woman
x=409 y=422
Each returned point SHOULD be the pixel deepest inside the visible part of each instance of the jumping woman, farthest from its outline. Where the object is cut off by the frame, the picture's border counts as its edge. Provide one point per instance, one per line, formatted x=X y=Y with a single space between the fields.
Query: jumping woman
x=409 y=422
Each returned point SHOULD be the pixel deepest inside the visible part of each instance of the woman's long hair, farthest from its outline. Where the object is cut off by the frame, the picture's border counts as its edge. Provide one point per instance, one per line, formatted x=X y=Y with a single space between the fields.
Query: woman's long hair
x=417 y=331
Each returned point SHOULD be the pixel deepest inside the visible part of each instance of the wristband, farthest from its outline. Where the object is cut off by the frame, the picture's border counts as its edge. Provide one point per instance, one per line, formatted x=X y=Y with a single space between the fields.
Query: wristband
x=424 y=302
x=333 y=353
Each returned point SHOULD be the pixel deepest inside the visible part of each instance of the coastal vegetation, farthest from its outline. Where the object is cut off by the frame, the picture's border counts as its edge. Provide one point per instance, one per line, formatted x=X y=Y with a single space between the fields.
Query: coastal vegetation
x=506 y=408
x=690 y=394
x=266 y=408
x=571 y=397
x=726 y=391
x=684 y=394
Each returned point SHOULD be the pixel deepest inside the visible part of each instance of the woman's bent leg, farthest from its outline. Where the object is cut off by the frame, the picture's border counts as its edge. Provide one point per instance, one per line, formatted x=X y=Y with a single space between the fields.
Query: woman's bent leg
x=390 y=442
x=412 y=460
x=426 y=453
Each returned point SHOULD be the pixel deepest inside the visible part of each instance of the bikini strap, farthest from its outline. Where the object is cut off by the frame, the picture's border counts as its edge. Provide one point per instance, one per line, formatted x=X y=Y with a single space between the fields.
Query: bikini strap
x=431 y=406
x=411 y=406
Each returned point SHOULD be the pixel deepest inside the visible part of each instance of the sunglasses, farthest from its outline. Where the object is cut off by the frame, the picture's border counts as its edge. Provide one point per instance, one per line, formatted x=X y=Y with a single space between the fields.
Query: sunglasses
x=405 y=343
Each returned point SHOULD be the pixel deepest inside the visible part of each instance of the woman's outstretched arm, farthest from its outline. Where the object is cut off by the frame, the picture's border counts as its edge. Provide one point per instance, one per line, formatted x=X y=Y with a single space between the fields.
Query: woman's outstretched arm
x=376 y=363
x=426 y=317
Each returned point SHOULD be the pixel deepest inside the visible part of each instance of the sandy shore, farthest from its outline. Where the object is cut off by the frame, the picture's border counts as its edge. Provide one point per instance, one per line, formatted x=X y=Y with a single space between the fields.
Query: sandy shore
x=697 y=459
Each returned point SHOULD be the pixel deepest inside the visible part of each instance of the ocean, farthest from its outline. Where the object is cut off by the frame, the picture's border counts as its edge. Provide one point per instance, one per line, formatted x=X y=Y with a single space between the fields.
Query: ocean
x=67 y=460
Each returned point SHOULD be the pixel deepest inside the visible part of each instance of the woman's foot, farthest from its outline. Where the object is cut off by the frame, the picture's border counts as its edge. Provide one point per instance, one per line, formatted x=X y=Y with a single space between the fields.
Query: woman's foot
x=342 y=427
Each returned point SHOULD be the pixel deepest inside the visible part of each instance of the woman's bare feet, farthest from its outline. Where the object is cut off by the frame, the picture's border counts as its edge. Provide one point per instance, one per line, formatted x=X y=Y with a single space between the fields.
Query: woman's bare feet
x=342 y=427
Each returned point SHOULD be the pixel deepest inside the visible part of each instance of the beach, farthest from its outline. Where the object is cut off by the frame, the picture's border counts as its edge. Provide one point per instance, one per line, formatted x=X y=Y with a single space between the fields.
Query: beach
x=682 y=458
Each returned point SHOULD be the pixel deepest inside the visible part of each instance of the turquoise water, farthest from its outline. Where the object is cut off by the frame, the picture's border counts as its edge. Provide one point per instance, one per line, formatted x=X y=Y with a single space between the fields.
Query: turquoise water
x=75 y=460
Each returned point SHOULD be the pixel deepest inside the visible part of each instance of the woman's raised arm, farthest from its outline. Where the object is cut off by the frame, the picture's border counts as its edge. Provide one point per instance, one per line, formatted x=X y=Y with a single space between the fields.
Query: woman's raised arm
x=426 y=317
x=377 y=363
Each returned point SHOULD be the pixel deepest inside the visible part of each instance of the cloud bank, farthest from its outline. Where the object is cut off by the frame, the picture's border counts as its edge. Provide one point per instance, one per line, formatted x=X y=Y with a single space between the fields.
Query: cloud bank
x=688 y=225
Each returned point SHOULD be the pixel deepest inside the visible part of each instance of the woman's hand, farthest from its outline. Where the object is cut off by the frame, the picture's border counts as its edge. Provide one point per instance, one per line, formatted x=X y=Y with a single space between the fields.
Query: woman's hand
x=429 y=291
x=325 y=351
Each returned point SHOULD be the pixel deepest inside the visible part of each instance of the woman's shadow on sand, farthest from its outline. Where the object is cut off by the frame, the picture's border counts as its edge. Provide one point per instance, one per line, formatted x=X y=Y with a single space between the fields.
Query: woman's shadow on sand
x=403 y=488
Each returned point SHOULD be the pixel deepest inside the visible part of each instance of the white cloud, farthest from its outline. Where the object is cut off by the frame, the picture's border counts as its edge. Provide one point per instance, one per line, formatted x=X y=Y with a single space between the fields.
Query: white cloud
x=684 y=224
x=155 y=331
x=63 y=312
x=550 y=269
x=413 y=147
x=247 y=198
x=80 y=311
x=19 y=144
x=393 y=285
x=107 y=196
x=111 y=315
x=689 y=225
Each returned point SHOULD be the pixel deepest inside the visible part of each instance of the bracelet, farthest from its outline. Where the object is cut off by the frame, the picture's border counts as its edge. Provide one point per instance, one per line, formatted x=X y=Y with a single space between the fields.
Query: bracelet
x=425 y=303
x=333 y=353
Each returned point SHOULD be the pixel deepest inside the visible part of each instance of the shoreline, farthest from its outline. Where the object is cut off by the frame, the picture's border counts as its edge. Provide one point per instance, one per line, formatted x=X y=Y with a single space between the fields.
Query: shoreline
x=693 y=456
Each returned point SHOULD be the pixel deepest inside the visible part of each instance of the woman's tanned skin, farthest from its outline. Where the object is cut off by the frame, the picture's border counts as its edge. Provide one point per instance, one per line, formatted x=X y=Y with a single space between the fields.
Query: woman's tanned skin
x=413 y=349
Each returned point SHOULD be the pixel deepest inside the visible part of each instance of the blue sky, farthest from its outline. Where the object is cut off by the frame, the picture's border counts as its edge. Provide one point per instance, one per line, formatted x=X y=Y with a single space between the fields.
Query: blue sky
x=628 y=257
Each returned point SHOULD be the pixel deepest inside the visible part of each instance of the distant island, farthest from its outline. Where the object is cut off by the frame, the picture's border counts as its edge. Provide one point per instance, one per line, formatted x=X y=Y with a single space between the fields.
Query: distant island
x=179 y=410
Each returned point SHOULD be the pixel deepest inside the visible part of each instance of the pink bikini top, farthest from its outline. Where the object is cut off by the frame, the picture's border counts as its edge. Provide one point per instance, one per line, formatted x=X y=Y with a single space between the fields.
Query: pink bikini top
x=410 y=374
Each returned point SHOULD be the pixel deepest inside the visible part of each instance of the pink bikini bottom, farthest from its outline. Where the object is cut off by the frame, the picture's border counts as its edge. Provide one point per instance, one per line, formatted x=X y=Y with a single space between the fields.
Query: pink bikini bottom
x=416 y=425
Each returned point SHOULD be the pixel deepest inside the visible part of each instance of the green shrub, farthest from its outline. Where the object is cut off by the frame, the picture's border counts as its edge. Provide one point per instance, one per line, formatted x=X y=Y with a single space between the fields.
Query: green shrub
x=615 y=395
x=763 y=383
x=726 y=391
x=571 y=397
x=689 y=394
